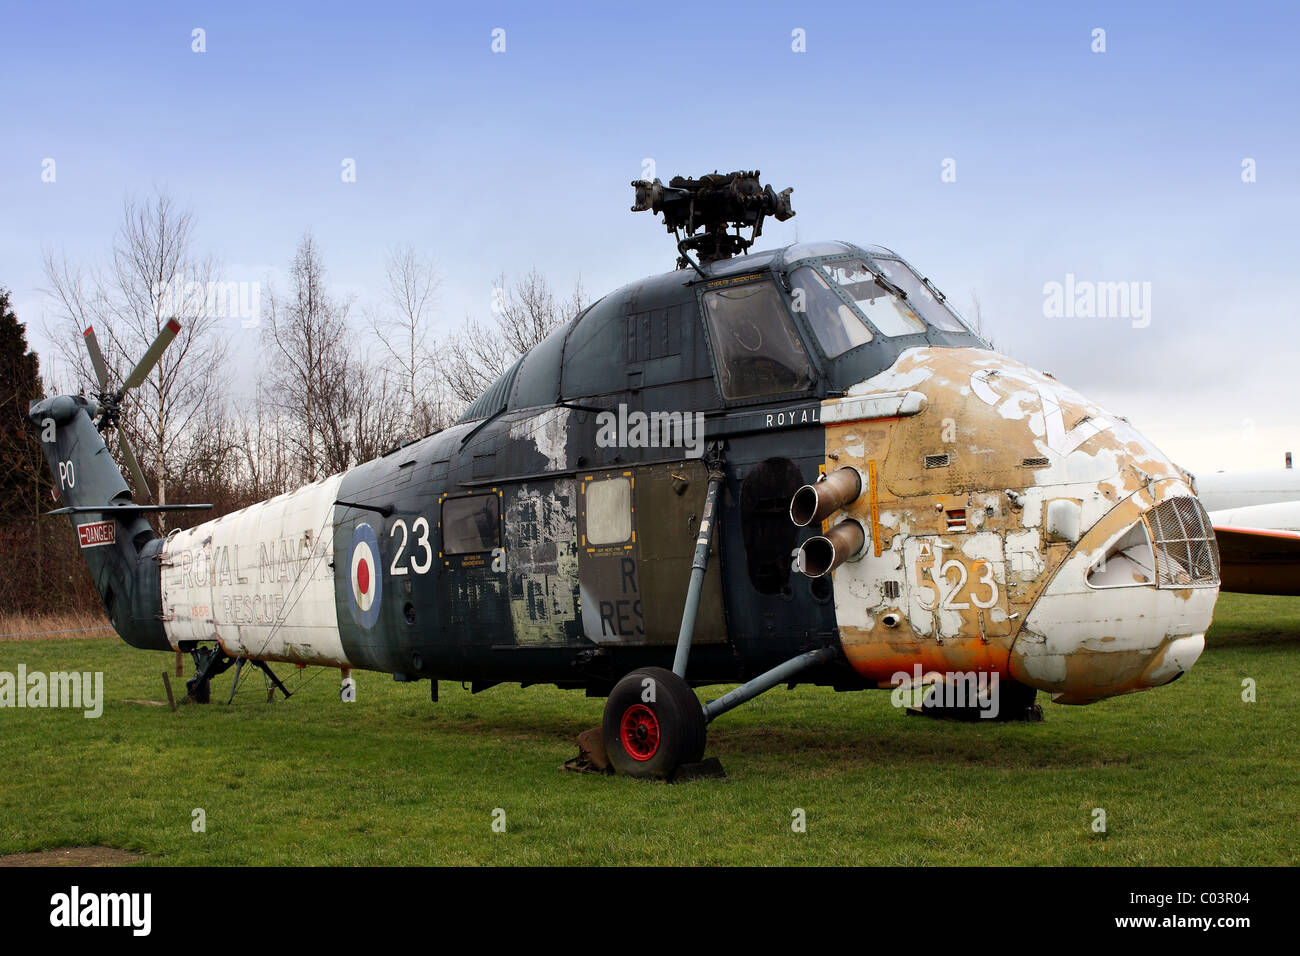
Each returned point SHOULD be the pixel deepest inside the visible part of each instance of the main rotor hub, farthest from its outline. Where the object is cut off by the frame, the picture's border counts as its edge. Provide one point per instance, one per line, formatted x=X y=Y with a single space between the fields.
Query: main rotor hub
x=700 y=211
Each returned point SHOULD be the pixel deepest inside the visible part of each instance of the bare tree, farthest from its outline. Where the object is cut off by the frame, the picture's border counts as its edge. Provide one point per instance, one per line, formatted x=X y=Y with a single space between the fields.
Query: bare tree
x=306 y=338
x=476 y=356
x=339 y=408
x=367 y=416
x=154 y=276
x=264 y=465
x=525 y=313
x=79 y=303
x=412 y=289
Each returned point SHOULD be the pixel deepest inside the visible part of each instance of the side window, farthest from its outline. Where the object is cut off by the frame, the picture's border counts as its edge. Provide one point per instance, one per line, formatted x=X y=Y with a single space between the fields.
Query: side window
x=609 y=511
x=755 y=344
x=470 y=524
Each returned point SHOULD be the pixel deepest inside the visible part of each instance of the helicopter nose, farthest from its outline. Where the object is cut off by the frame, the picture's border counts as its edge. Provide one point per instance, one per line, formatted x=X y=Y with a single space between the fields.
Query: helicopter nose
x=1129 y=608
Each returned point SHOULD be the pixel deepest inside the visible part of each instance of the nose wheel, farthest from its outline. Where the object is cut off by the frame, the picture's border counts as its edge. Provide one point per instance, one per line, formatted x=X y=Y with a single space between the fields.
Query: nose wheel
x=1016 y=702
x=653 y=724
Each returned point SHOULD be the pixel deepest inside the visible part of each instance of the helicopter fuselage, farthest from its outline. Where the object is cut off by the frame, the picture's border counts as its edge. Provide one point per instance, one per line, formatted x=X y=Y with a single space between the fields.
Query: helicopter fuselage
x=1009 y=526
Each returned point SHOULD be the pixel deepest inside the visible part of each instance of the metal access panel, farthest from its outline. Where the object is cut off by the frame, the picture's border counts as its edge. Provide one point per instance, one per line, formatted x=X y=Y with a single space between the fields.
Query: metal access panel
x=541 y=547
x=637 y=529
x=472 y=577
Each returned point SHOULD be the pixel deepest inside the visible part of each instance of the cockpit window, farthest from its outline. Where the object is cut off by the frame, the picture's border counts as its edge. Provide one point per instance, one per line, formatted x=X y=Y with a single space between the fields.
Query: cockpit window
x=754 y=262
x=920 y=295
x=806 y=250
x=889 y=313
x=836 y=326
x=755 y=345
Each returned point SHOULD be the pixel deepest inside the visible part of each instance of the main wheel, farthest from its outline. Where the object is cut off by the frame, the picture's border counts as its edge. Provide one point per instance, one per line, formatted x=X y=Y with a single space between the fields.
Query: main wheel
x=653 y=724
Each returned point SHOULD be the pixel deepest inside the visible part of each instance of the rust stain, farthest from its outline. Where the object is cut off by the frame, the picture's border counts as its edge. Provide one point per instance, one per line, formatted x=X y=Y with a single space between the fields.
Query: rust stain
x=957 y=503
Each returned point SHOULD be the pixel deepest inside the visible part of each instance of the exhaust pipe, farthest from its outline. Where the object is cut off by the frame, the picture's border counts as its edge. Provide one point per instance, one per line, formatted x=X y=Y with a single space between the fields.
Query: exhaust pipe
x=827 y=495
x=821 y=555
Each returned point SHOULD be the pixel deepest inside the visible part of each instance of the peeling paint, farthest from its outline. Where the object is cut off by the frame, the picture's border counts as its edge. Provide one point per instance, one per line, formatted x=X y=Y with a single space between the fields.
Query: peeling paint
x=260 y=580
x=980 y=583
x=540 y=524
x=549 y=433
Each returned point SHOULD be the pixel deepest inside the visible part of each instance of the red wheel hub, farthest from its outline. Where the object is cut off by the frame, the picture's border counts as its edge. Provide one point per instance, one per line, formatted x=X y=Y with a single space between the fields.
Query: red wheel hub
x=639 y=732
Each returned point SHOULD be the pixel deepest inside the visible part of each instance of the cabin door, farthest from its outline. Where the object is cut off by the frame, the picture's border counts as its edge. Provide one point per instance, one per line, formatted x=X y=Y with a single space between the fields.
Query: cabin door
x=636 y=539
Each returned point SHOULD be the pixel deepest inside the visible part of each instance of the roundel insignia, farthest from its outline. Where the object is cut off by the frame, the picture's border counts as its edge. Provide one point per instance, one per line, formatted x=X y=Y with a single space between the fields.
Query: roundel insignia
x=365 y=578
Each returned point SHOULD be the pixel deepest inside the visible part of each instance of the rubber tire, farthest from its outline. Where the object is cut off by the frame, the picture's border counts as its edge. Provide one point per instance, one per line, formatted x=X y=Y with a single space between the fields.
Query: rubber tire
x=1019 y=702
x=682 y=727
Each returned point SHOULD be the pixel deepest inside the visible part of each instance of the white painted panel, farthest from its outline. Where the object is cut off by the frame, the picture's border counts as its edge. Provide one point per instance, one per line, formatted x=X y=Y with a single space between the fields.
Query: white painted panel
x=883 y=405
x=259 y=580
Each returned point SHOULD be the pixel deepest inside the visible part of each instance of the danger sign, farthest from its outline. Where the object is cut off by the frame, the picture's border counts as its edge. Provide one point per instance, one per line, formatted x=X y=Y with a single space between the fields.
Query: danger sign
x=96 y=533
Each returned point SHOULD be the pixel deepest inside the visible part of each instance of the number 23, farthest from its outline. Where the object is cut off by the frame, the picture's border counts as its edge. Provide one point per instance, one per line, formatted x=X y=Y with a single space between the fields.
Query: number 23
x=420 y=528
x=945 y=596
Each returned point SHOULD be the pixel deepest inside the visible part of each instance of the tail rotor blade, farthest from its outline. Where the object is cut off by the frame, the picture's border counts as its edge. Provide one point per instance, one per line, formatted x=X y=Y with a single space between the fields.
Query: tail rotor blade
x=96 y=358
x=141 y=486
x=150 y=358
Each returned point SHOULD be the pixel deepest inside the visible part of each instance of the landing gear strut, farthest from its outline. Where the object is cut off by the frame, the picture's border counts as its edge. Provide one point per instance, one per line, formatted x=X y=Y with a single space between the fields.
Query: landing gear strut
x=653 y=722
x=211 y=661
x=206 y=664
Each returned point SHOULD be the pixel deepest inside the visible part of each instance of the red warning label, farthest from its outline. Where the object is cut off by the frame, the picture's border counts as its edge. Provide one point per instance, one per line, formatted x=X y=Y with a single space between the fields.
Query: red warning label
x=96 y=533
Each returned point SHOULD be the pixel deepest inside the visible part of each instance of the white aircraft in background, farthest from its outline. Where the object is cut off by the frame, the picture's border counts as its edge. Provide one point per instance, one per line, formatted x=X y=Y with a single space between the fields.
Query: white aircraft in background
x=1256 y=518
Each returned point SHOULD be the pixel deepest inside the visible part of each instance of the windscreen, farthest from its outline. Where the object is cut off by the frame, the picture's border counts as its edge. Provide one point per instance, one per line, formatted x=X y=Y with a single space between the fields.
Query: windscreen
x=888 y=312
x=835 y=324
x=755 y=345
x=920 y=294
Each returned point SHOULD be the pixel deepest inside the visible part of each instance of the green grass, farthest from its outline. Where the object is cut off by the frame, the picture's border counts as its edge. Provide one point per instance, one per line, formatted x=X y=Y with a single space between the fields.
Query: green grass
x=1187 y=774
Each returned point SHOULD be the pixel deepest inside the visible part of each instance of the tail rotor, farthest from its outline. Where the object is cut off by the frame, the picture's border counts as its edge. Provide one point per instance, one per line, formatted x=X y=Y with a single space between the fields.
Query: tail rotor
x=110 y=401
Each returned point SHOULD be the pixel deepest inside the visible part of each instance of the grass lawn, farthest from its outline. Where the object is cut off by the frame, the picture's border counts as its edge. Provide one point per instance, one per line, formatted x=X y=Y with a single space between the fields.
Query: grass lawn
x=1187 y=774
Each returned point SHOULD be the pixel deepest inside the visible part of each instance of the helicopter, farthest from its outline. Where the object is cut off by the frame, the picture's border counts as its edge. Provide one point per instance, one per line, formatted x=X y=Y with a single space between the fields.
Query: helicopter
x=791 y=466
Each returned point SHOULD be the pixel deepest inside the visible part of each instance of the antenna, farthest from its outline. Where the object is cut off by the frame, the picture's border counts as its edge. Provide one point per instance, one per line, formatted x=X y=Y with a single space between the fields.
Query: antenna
x=700 y=211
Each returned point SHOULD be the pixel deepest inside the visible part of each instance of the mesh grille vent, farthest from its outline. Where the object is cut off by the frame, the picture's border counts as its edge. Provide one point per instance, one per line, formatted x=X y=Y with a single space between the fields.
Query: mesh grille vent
x=1186 y=553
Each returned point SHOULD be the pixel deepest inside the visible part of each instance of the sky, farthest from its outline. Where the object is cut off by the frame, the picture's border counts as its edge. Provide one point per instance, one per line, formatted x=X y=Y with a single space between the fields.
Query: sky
x=1001 y=148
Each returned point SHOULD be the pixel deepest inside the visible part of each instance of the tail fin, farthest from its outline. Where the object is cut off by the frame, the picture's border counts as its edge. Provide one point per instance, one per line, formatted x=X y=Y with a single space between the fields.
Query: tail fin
x=120 y=547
